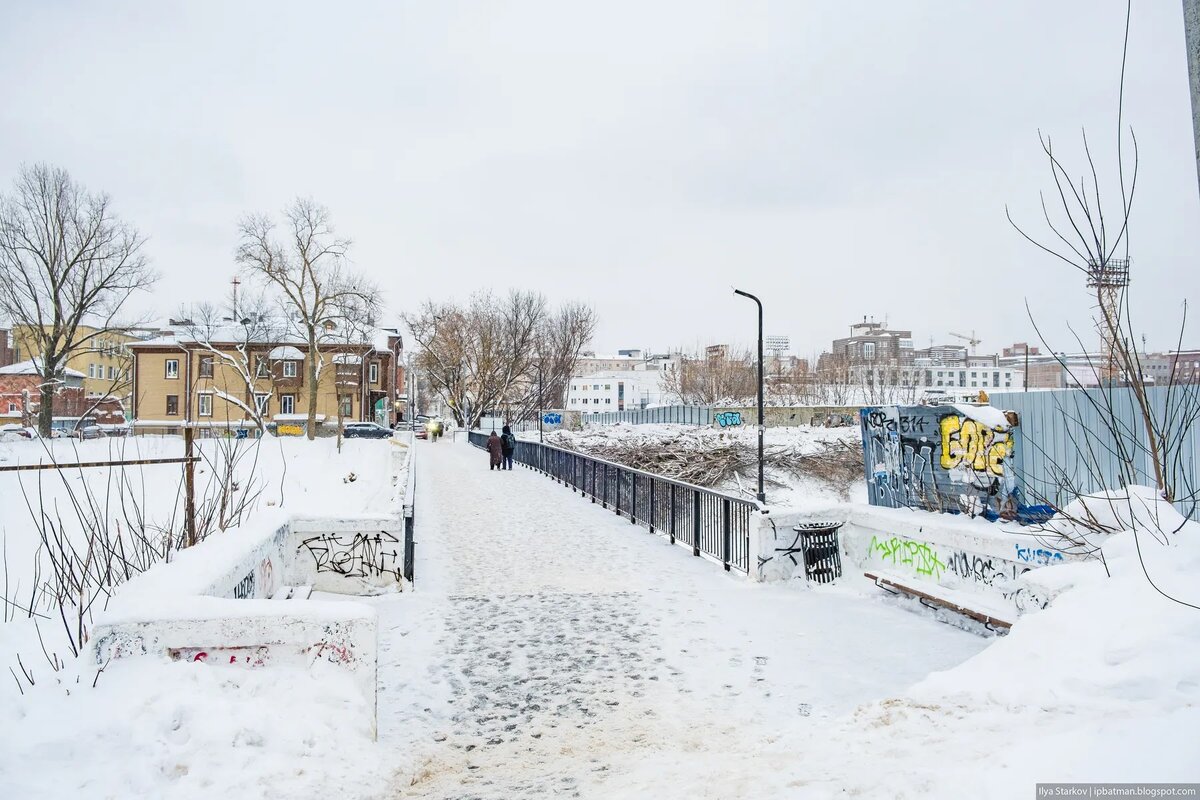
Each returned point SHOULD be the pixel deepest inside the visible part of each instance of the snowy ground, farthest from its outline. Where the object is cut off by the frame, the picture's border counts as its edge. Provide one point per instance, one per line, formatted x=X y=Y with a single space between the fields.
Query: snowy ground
x=163 y=729
x=552 y=649
x=792 y=490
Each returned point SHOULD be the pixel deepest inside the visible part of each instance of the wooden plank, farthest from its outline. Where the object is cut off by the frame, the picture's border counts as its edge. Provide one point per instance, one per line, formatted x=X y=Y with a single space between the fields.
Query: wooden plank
x=986 y=619
x=81 y=464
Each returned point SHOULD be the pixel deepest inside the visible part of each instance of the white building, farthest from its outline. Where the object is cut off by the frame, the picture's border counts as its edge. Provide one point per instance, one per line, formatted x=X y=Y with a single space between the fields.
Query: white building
x=589 y=363
x=618 y=390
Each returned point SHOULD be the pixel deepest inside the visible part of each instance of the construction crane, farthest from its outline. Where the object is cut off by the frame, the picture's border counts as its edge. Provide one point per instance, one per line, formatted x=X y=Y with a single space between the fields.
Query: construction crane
x=971 y=340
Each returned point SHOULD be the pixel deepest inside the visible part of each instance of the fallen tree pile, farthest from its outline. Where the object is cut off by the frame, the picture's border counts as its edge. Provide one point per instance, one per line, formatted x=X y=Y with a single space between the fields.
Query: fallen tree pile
x=712 y=458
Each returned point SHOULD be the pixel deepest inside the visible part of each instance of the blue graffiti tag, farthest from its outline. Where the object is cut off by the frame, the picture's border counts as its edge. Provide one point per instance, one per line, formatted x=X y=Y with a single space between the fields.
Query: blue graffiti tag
x=552 y=419
x=1038 y=556
x=729 y=419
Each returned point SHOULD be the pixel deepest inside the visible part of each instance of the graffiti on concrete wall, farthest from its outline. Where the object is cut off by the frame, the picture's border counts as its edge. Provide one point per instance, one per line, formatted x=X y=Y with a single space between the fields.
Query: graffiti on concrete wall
x=729 y=419
x=960 y=568
x=917 y=556
x=1030 y=555
x=552 y=418
x=356 y=555
x=939 y=459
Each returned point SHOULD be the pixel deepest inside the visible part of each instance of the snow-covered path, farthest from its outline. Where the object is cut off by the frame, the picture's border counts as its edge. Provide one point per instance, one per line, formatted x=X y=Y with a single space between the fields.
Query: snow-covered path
x=553 y=648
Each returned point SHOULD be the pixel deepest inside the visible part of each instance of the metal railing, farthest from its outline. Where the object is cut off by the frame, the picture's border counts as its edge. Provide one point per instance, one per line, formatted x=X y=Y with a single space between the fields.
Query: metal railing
x=409 y=510
x=712 y=524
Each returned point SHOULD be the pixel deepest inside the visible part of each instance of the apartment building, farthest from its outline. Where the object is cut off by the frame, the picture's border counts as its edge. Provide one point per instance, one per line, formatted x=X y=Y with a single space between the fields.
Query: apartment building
x=614 y=391
x=224 y=380
x=105 y=360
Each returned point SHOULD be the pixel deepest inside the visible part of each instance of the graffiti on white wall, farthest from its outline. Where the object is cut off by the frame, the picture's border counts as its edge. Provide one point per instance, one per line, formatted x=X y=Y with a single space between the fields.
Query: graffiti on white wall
x=938 y=459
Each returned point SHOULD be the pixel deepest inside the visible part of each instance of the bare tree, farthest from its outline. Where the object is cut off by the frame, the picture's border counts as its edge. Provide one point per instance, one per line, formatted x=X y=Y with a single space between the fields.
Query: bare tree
x=560 y=339
x=317 y=292
x=721 y=380
x=68 y=265
x=236 y=346
x=486 y=355
x=1093 y=240
x=352 y=336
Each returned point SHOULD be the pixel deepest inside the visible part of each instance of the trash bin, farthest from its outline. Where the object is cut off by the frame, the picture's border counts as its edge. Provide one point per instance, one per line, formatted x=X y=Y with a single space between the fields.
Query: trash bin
x=819 y=546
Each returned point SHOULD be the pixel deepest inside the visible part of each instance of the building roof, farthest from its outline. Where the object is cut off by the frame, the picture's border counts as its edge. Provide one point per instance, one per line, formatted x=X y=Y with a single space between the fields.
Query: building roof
x=285 y=352
x=31 y=367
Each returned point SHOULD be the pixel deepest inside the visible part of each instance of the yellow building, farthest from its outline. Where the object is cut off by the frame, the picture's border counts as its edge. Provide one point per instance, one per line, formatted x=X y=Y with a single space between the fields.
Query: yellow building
x=228 y=385
x=106 y=360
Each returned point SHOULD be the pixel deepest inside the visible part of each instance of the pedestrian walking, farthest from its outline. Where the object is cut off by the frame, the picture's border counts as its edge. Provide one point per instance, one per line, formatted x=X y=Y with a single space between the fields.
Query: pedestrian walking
x=508 y=443
x=495 y=449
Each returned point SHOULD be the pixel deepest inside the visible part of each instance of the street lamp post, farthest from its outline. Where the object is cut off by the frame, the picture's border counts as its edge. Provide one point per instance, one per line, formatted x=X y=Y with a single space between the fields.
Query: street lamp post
x=541 y=411
x=762 y=497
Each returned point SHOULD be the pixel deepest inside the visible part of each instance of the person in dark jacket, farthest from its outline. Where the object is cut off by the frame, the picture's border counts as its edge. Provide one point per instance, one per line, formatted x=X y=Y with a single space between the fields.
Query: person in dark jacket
x=508 y=443
x=494 y=449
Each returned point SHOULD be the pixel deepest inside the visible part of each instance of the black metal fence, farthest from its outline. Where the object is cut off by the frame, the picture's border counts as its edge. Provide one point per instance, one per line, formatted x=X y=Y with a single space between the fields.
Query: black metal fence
x=712 y=524
x=410 y=513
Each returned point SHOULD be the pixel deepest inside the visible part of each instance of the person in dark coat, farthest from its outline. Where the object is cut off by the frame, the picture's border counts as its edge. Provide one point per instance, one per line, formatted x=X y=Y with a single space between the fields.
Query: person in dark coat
x=508 y=443
x=494 y=449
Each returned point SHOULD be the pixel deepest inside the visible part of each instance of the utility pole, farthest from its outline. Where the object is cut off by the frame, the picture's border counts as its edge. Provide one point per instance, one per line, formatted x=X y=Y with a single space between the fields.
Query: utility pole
x=189 y=486
x=1191 y=31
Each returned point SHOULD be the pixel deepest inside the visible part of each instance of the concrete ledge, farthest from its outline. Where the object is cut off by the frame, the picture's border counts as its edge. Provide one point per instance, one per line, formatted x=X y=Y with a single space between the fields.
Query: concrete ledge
x=210 y=604
x=996 y=561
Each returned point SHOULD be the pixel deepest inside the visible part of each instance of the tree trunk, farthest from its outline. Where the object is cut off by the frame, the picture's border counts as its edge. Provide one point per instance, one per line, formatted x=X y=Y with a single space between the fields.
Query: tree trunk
x=312 y=385
x=46 y=409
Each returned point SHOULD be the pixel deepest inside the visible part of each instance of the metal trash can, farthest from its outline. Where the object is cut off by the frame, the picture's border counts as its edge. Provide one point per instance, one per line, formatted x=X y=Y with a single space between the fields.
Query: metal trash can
x=819 y=546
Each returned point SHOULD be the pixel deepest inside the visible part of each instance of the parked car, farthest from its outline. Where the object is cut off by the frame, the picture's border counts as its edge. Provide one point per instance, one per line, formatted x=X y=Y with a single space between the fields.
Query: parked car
x=88 y=431
x=23 y=432
x=366 y=430
x=420 y=433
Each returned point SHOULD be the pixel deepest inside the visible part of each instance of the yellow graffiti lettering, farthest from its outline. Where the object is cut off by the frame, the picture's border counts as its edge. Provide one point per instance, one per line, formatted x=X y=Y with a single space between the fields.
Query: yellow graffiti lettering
x=983 y=448
x=952 y=451
x=290 y=430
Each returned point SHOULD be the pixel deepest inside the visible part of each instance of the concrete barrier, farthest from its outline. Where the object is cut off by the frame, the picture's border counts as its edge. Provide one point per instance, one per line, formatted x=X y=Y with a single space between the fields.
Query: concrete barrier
x=212 y=604
x=952 y=551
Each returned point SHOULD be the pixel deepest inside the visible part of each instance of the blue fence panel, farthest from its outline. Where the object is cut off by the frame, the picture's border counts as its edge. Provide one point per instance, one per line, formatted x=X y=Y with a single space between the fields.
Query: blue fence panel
x=1065 y=440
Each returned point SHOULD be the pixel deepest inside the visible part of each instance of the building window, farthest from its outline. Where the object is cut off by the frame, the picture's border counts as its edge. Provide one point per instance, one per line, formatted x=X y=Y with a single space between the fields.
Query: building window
x=585 y=401
x=262 y=403
x=289 y=369
x=172 y=368
x=172 y=405
x=206 y=366
x=262 y=368
x=608 y=401
x=204 y=404
x=347 y=405
x=91 y=370
x=868 y=350
x=373 y=372
x=287 y=404
x=12 y=407
x=112 y=373
x=595 y=387
x=607 y=386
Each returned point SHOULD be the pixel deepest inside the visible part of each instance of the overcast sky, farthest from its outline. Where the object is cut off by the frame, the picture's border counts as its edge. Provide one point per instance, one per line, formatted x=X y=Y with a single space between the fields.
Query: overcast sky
x=839 y=159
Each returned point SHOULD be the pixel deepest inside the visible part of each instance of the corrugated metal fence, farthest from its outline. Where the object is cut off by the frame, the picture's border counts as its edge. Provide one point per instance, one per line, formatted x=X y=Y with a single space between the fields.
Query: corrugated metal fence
x=684 y=415
x=1063 y=440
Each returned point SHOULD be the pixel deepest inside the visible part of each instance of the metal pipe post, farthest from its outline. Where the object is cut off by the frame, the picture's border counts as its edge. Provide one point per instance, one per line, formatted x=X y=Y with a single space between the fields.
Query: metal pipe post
x=762 y=497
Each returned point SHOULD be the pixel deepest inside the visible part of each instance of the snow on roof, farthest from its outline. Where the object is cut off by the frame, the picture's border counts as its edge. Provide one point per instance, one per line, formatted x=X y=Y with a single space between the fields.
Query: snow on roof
x=347 y=358
x=285 y=352
x=31 y=367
